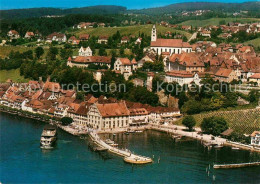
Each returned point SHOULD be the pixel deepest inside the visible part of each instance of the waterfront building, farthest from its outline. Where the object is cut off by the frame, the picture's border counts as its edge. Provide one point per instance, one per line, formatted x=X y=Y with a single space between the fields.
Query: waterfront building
x=138 y=117
x=255 y=138
x=108 y=116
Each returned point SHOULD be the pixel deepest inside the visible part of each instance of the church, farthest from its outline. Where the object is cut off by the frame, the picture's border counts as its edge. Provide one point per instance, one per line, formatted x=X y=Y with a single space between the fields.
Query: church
x=173 y=46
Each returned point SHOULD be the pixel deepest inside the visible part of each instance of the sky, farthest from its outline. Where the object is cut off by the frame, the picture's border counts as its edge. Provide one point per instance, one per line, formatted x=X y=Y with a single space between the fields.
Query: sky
x=130 y=4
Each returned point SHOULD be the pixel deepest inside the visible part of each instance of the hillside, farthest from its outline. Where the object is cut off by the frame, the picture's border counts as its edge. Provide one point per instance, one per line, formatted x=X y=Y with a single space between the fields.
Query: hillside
x=244 y=121
x=228 y=7
x=12 y=74
x=111 y=9
x=39 y=12
x=135 y=30
x=215 y=21
x=255 y=42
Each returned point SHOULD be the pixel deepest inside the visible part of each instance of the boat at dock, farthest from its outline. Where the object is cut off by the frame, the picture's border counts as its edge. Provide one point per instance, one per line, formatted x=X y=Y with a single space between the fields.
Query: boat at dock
x=229 y=166
x=235 y=148
x=48 y=137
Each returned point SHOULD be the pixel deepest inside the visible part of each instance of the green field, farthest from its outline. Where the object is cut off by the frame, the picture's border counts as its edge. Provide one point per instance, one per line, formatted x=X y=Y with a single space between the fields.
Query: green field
x=244 y=121
x=5 y=50
x=12 y=74
x=134 y=30
x=215 y=21
x=255 y=42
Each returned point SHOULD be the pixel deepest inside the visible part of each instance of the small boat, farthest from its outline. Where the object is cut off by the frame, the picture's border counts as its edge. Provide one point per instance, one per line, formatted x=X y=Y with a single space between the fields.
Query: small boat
x=235 y=148
x=138 y=131
x=130 y=131
x=108 y=141
x=114 y=145
x=48 y=137
x=218 y=146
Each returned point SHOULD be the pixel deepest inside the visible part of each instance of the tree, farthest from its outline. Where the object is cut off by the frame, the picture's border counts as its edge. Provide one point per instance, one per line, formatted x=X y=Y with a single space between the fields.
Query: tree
x=113 y=59
x=39 y=52
x=80 y=96
x=253 y=95
x=214 y=125
x=189 y=122
x=53 y=51
x=66 y=121
x=122 y=51
x=102 y=51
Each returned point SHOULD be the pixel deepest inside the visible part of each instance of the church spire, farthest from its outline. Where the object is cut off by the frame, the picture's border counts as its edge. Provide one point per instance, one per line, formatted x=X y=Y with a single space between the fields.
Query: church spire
x=153 y=36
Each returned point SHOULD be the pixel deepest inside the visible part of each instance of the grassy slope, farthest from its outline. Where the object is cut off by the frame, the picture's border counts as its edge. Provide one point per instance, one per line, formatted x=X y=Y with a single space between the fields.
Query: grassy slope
x=11 y=74
x=244 y=121
x=255 y=42
x=5 y=50
x=215 y=21
x=146 y=29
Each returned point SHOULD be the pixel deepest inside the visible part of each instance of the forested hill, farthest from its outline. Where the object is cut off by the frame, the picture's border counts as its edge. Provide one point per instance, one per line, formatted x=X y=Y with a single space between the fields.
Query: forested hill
x=39 y=12
x=227 y=7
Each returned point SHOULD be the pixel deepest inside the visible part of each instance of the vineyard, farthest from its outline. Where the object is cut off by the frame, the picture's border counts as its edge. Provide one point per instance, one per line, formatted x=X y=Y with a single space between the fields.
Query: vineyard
x=244 y=121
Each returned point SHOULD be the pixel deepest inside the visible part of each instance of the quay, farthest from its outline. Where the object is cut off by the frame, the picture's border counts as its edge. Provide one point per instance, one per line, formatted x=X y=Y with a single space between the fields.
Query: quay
x=230 y=166
x=128 y=156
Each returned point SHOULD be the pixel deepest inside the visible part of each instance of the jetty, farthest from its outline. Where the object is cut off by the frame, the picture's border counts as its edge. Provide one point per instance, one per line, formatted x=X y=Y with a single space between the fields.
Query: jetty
x=230 y=166
x=128 y=156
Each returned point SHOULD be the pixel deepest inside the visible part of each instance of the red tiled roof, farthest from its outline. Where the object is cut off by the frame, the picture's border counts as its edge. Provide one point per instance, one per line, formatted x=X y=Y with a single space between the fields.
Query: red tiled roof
x=169 y=43
x=113 y=109
x=92 y=59
x=223 y=72
x=84 y=36
x=255 y=76
x=187 y=59
x=125 y=61
x=182 y=74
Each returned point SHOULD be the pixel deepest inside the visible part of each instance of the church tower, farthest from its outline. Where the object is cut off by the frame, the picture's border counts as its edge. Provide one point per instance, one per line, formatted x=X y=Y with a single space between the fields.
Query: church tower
x=153 y=36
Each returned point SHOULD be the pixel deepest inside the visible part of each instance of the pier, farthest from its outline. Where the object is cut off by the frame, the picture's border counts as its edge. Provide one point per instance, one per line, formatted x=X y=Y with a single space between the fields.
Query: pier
x=230 y=166
x=128 y=156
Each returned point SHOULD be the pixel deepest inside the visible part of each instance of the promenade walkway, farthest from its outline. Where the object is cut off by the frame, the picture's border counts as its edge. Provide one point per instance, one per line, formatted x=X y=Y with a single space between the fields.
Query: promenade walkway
x=179 y=130
x=128 y=156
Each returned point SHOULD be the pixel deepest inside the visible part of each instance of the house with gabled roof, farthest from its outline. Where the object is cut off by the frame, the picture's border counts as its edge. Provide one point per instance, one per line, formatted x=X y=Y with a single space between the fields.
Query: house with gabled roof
x=108 y=116
x=173 y=46
x=225 y=75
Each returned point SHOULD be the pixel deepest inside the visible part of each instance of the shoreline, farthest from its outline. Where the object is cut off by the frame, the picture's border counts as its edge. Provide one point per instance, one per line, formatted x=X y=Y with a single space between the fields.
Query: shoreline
x=171 y=129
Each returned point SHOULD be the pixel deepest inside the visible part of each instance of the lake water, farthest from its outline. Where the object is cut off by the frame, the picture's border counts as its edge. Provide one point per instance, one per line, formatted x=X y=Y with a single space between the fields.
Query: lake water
x=22 y=160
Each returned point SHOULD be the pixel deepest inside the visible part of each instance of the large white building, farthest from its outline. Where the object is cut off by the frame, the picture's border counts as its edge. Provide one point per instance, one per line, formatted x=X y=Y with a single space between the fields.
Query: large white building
x=173 y=46
x=85 y=51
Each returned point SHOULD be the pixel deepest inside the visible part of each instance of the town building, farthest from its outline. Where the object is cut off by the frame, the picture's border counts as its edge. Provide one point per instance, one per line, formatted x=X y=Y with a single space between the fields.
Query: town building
x=58 y=37
x=29 y=35
x=225 y=75
x=255 y=78
x=13 y=34
x=108 y=116
x=255 y=138
x=85 y=51
x=173 y=46
x=102 y=39
x=85 y=61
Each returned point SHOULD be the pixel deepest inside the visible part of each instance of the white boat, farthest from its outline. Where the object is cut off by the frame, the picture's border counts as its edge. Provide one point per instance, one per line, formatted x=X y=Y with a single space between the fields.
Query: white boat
x=48 y=137
x=235 y=148
x=108 y=141
x=138 y=131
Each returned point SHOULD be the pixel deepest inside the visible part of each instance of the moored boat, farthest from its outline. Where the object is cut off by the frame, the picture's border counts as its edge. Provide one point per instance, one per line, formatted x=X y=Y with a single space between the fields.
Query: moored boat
x=48 y=137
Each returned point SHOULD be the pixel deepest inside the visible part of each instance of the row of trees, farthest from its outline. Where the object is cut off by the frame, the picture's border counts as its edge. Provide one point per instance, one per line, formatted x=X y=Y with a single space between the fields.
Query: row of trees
x=212 y=125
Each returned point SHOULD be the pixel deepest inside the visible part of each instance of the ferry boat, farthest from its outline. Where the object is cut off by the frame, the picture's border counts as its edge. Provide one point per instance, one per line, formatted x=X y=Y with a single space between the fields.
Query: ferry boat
x=48 y=137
